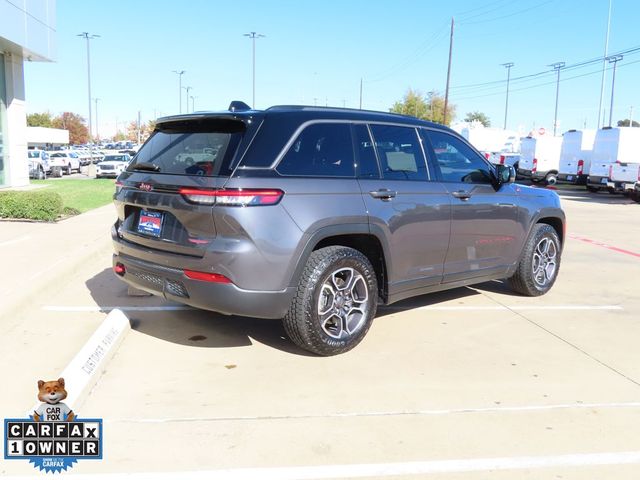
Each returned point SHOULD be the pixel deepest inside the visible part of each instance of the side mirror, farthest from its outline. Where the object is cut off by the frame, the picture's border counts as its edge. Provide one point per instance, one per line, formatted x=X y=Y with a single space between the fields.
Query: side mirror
x=505 y=174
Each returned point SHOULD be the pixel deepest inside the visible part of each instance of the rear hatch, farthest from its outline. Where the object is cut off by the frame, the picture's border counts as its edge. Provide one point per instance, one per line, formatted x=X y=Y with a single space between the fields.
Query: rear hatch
x=183 y=154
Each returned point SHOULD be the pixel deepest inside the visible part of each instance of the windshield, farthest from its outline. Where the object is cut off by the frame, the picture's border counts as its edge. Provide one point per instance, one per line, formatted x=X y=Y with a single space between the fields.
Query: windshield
x=116 y=158
x=203 y=148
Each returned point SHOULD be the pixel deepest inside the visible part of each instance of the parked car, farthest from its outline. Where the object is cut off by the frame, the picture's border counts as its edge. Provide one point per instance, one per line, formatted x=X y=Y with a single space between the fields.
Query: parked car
x=623 y=177
x=540 y=158
x=112 y=165
x=575 y=156
x=38 y=164
x=70 y=160
x=612 y=145
x=316 y=215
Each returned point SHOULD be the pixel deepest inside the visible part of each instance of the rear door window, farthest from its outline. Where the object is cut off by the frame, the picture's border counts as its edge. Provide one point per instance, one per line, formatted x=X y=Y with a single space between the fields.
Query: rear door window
x=400 y=152
x=203 y=148
x=320 y=150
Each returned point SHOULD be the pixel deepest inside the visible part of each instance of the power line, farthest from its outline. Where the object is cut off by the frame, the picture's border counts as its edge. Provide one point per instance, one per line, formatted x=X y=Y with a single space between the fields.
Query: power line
x=543 y=84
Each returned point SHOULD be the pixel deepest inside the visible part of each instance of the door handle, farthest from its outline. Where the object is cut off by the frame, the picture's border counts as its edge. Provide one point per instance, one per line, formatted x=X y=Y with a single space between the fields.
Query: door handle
x=383 y=194
x=462 y=195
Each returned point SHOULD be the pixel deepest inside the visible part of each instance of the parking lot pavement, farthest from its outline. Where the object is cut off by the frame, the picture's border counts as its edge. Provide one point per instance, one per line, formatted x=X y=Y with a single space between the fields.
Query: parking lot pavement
x=475 y=382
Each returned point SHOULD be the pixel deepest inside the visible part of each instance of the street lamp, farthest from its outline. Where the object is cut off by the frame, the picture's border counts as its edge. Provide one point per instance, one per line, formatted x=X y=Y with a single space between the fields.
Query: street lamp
x=556 y=66
x=88 y=36
x=179 y=73
x=253 y=36
x=613 y=59
x=193 y=103
x=187 y=89
x=506 y=103
x=97 y=124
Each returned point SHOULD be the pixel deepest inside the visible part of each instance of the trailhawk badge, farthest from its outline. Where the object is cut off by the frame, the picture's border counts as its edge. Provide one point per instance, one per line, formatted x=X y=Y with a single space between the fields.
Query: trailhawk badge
x=53 y=438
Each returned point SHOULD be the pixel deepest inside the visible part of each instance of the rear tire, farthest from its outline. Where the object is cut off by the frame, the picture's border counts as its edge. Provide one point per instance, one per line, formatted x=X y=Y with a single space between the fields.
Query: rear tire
x=592 y=189
x=551 y=179
x=335 y=302
x=540 y=262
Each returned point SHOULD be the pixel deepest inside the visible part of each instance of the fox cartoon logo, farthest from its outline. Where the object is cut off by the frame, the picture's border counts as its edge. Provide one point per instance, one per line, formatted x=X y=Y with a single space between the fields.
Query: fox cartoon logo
x=52 y=408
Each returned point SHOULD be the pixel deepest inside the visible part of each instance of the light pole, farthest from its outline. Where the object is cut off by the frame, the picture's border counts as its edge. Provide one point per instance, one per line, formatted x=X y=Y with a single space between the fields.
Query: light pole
x=613 y=59
x=193 y=103
x=557 y=67
x=88 y=36
x=506 y=102
x=604 y=62
x=188 y=89
x=253 y=36
x=179 y=73
x=97 y=124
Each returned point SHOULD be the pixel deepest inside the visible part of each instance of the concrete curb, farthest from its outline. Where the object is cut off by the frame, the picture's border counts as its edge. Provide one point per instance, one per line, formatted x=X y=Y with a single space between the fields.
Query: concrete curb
x=84 y=370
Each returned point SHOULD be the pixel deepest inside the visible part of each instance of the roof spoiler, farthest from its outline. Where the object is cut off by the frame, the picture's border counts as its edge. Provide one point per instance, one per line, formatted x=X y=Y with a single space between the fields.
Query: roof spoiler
x=238 y=106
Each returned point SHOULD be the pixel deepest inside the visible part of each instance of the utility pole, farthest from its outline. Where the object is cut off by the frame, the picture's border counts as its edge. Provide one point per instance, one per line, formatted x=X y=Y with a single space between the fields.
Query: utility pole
x=631 y=116
x=613 y=59
x=193 y=103
x=188 y=89
x=446 y=92
x=253 y=36
x=557 y=67
x=604 y=70
x=139 y=127
x=87 y=36
x=360 y=93
x=179 y=73
x=506 y=102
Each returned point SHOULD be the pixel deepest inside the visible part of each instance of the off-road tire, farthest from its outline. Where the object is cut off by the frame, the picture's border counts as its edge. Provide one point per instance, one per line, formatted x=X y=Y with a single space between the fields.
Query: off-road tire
x=302 y=321
x=522 y=280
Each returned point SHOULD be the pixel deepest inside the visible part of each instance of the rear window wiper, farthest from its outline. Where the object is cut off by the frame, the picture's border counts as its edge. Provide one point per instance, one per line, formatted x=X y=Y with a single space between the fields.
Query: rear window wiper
x=146 y=166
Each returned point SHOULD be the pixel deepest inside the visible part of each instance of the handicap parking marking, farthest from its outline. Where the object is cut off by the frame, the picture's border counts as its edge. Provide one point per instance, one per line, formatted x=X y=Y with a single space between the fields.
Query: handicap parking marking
x=604 y=245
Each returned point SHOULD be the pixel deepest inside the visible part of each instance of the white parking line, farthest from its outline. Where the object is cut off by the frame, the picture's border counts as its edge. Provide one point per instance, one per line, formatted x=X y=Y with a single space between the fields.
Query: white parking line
x=170 y=308
x=383 y=469
x=15 y=240
x=514 y=409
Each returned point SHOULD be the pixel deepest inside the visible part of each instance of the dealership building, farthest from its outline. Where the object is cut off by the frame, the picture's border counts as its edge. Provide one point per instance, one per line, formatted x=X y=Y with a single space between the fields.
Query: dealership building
x=27 y=34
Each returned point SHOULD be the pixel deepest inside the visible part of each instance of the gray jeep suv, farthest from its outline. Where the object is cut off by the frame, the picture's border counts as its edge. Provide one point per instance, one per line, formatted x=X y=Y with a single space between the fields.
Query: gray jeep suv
x=317 y=215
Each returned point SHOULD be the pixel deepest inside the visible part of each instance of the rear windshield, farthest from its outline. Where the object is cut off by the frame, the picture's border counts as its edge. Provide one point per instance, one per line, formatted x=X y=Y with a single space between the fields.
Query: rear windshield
x=204 y=148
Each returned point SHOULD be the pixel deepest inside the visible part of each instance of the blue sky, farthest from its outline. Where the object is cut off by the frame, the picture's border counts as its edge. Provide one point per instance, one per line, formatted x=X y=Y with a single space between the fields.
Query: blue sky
x=317 y=52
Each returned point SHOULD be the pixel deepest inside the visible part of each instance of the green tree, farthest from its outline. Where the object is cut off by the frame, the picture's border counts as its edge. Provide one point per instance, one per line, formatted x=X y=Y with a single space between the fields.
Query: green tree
x=626 y=121
x=40 y=120
x=478 y=117
x=78 y=131
x=429 y=107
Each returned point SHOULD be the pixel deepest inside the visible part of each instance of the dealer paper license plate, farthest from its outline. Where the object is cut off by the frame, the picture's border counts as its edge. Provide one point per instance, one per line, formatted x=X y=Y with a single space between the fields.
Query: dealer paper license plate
x=150 y=223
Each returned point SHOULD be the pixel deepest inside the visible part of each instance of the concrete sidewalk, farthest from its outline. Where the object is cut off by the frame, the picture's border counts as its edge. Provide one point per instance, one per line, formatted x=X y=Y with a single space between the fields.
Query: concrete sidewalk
x=35 y=255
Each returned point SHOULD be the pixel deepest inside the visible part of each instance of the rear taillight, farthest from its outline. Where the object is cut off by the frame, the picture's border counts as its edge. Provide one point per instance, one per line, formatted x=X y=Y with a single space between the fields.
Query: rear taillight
x=502 y=157
x=206 y=277
x=487 y=155
x=233 y=197
x=119 y=269
x=534 y=169
x=580 y=166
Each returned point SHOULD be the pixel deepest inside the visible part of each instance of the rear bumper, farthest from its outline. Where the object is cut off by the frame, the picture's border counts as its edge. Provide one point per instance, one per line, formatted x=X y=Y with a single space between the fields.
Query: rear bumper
x=524 y=173
x=572 y=178
x=623 y=186
x=226 y=298
x=596 y=181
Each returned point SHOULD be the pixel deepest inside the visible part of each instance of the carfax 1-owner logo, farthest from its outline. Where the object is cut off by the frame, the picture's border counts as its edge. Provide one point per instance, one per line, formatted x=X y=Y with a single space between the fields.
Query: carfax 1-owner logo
x=53 y=438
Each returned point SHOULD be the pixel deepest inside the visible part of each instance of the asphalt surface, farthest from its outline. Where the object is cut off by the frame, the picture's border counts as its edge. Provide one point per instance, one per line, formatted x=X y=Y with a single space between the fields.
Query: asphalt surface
x=473 y=383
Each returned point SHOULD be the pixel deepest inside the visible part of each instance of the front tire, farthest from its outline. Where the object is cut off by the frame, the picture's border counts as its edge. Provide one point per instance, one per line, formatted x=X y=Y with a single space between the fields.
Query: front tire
x=540 y=262
x=335 y=302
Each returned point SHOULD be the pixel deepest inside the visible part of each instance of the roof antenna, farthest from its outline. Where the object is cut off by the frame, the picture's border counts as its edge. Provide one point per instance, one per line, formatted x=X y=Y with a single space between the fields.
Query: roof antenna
x=238 y=106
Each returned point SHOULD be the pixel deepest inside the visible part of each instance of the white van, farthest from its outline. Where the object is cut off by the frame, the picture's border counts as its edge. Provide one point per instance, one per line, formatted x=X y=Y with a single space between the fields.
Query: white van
x=575 y=156
x=612 y=145
x=540 y=158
